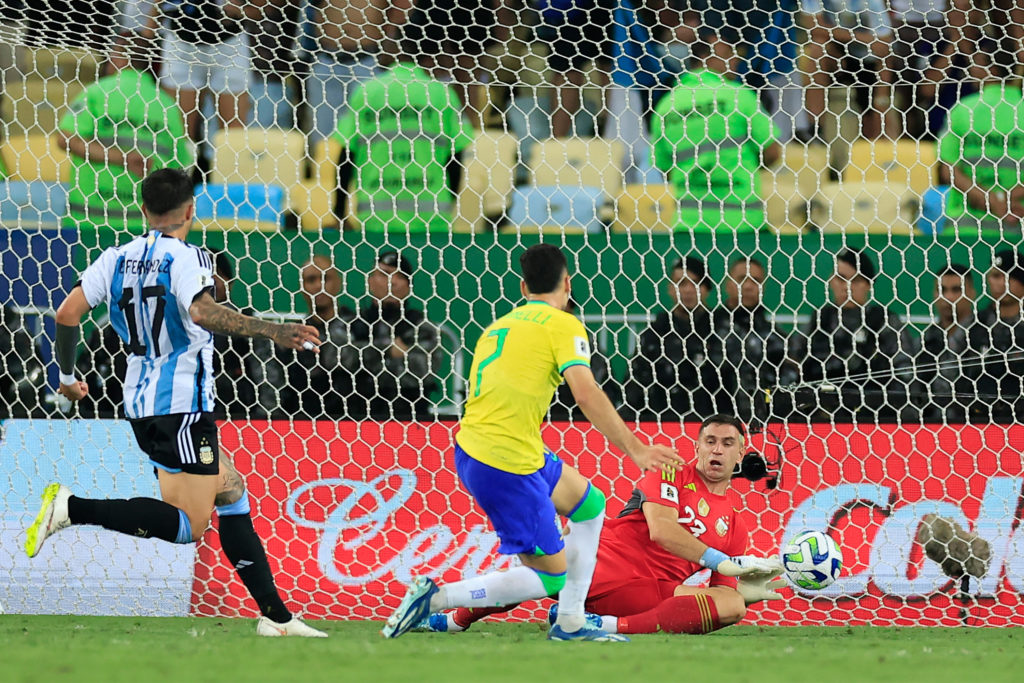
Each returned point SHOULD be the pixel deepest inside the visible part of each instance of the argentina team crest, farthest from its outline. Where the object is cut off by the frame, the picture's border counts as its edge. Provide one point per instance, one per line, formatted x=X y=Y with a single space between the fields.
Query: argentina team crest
x=206 y=453
x=722 y=526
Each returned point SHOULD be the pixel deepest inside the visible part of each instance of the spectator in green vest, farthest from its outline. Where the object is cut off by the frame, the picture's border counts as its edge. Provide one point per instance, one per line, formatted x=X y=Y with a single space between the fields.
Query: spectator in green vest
x=118 y=130
x=402 y=137
x=710 y=135
x=983 y=144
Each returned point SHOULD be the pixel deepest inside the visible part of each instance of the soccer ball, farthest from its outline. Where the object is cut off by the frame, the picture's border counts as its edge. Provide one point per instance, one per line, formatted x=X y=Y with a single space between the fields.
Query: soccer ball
x=812 y=560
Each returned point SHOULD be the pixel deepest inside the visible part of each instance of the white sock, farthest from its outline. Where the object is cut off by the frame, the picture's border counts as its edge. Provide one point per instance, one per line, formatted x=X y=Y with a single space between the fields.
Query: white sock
x=581 y=556
x=490 y=590
x=452 y=626
x=610 y=624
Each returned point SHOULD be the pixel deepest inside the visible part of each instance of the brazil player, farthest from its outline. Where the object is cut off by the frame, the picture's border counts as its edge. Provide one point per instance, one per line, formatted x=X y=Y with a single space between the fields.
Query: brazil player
x=518 y=363
x=160 y=293
x=674 y=525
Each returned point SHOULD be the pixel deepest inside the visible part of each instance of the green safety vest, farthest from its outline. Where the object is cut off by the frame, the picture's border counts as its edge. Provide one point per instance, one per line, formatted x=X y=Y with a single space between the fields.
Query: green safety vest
x=402 y=129
x=984 y=138
x=707 y=134
x=126 y=110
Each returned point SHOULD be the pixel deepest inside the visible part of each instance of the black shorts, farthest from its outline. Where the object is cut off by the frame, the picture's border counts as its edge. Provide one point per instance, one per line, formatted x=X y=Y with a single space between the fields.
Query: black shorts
x=185 y=442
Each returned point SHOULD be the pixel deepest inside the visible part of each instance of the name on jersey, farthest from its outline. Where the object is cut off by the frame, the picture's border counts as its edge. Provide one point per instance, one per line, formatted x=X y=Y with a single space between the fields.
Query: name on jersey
x=539 y=317
x=130 y=266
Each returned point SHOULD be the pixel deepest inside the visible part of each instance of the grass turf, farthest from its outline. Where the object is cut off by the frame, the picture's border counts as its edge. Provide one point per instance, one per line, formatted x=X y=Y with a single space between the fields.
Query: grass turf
x=40 y=648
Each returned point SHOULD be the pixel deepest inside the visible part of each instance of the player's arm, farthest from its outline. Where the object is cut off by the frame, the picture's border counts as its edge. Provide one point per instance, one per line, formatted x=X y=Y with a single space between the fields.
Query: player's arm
x=69 y=321
x=96 y=151
x=599 y=410
x=219 y=319
x=664 y=529
x=996 y=202
x=771 y=154
x=152 y=25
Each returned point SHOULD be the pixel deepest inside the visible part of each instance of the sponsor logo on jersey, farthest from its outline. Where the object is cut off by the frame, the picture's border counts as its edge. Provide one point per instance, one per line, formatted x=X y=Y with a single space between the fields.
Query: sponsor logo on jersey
x=722 y=526
x=691 y=487
x=669 y=492
x=702 y=507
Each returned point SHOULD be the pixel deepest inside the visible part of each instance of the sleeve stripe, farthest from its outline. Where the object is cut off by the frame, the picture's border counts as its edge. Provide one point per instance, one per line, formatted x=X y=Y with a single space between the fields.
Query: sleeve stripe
x=571 y=363
x=204 y=258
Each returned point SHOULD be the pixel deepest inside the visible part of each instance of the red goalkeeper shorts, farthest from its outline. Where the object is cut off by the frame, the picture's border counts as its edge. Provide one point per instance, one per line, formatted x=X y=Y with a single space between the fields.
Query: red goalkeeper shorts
x=629 y=597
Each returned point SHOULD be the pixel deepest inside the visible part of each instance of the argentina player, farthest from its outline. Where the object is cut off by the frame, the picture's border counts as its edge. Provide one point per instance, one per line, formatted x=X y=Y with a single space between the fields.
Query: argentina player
x=159 y=290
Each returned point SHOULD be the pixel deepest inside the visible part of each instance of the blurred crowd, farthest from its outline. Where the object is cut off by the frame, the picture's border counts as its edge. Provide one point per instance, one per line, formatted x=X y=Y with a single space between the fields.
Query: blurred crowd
x=704 y=94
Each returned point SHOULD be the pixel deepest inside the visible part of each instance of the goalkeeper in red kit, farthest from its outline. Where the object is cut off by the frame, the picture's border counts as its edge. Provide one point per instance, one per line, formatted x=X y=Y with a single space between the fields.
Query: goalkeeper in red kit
x=674 y=526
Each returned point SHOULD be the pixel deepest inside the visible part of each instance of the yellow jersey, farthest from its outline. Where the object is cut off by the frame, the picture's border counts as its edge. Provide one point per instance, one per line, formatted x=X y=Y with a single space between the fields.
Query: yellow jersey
x=517 y=366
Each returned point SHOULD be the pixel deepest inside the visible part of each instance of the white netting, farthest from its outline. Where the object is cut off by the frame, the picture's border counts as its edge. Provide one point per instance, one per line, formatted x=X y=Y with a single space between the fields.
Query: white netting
x=841 y=181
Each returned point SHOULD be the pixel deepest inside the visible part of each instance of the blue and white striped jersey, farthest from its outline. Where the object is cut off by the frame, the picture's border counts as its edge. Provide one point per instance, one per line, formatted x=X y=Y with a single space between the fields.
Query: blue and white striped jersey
x=149 y=284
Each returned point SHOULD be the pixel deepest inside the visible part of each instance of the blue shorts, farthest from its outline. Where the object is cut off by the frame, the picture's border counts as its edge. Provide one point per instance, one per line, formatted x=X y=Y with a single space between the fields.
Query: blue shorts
x=518 y=505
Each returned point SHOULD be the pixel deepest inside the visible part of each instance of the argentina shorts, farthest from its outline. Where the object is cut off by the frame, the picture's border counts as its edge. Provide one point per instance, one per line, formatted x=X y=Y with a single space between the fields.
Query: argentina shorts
x=186 y=442
x=518 y=505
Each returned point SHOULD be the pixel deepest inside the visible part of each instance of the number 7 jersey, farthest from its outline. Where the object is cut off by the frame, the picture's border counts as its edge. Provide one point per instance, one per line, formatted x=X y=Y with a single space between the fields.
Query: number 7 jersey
x=149 y=284
x=517 y=365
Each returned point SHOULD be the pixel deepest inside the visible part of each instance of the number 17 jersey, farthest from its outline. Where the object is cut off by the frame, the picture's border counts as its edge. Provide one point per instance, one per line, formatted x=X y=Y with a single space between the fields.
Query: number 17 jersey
x=517 y=365
x=149 y=284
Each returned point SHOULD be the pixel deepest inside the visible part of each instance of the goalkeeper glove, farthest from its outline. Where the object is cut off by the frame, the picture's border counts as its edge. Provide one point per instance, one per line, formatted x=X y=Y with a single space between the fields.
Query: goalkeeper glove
x=758 y=588
x=742 y=565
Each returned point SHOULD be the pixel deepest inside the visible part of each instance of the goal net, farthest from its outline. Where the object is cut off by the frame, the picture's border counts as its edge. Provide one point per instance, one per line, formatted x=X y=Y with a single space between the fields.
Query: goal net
x=807 y=215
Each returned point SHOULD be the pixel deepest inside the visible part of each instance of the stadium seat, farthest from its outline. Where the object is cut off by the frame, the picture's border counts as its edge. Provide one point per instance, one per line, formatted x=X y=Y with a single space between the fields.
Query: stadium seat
x=314 y=199
x=64 y=63
x=578 y=162
x=490 y=164
x=258 y=156
x=249 y=207
x=562 y=206
x=865 y=208
x=642 y=208
x=34 y=205
x=785 y=202
x=35 y=157
x=933 y=210
x=35 y=106
x=906 y=162
x=803 y=166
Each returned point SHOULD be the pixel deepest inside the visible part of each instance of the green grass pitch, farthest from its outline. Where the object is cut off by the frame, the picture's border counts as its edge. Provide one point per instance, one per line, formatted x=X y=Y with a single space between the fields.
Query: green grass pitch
x=107 y=649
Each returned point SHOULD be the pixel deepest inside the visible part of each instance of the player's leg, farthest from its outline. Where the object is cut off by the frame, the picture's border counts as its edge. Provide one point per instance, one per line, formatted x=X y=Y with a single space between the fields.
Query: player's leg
x=245 y=552
x=551 y=569
x=178 y=520
x=572 y=496
x=688 y=610
x=584 y=504
x=523 y=515
x=141 y=517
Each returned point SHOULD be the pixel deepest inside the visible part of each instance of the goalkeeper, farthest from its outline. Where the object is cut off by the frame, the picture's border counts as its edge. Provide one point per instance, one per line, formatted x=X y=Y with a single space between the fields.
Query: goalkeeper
x=673 y=526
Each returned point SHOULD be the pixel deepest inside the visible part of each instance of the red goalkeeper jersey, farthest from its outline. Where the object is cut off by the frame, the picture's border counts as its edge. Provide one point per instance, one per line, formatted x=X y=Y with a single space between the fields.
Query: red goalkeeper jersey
x=627 y=551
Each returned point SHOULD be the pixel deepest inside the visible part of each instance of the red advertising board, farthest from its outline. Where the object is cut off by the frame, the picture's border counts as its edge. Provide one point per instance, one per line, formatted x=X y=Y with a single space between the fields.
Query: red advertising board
x=350 y=511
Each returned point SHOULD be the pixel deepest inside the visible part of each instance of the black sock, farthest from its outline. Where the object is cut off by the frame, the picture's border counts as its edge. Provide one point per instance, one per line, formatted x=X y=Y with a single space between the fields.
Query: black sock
x=243 y=547
x=141 y=517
